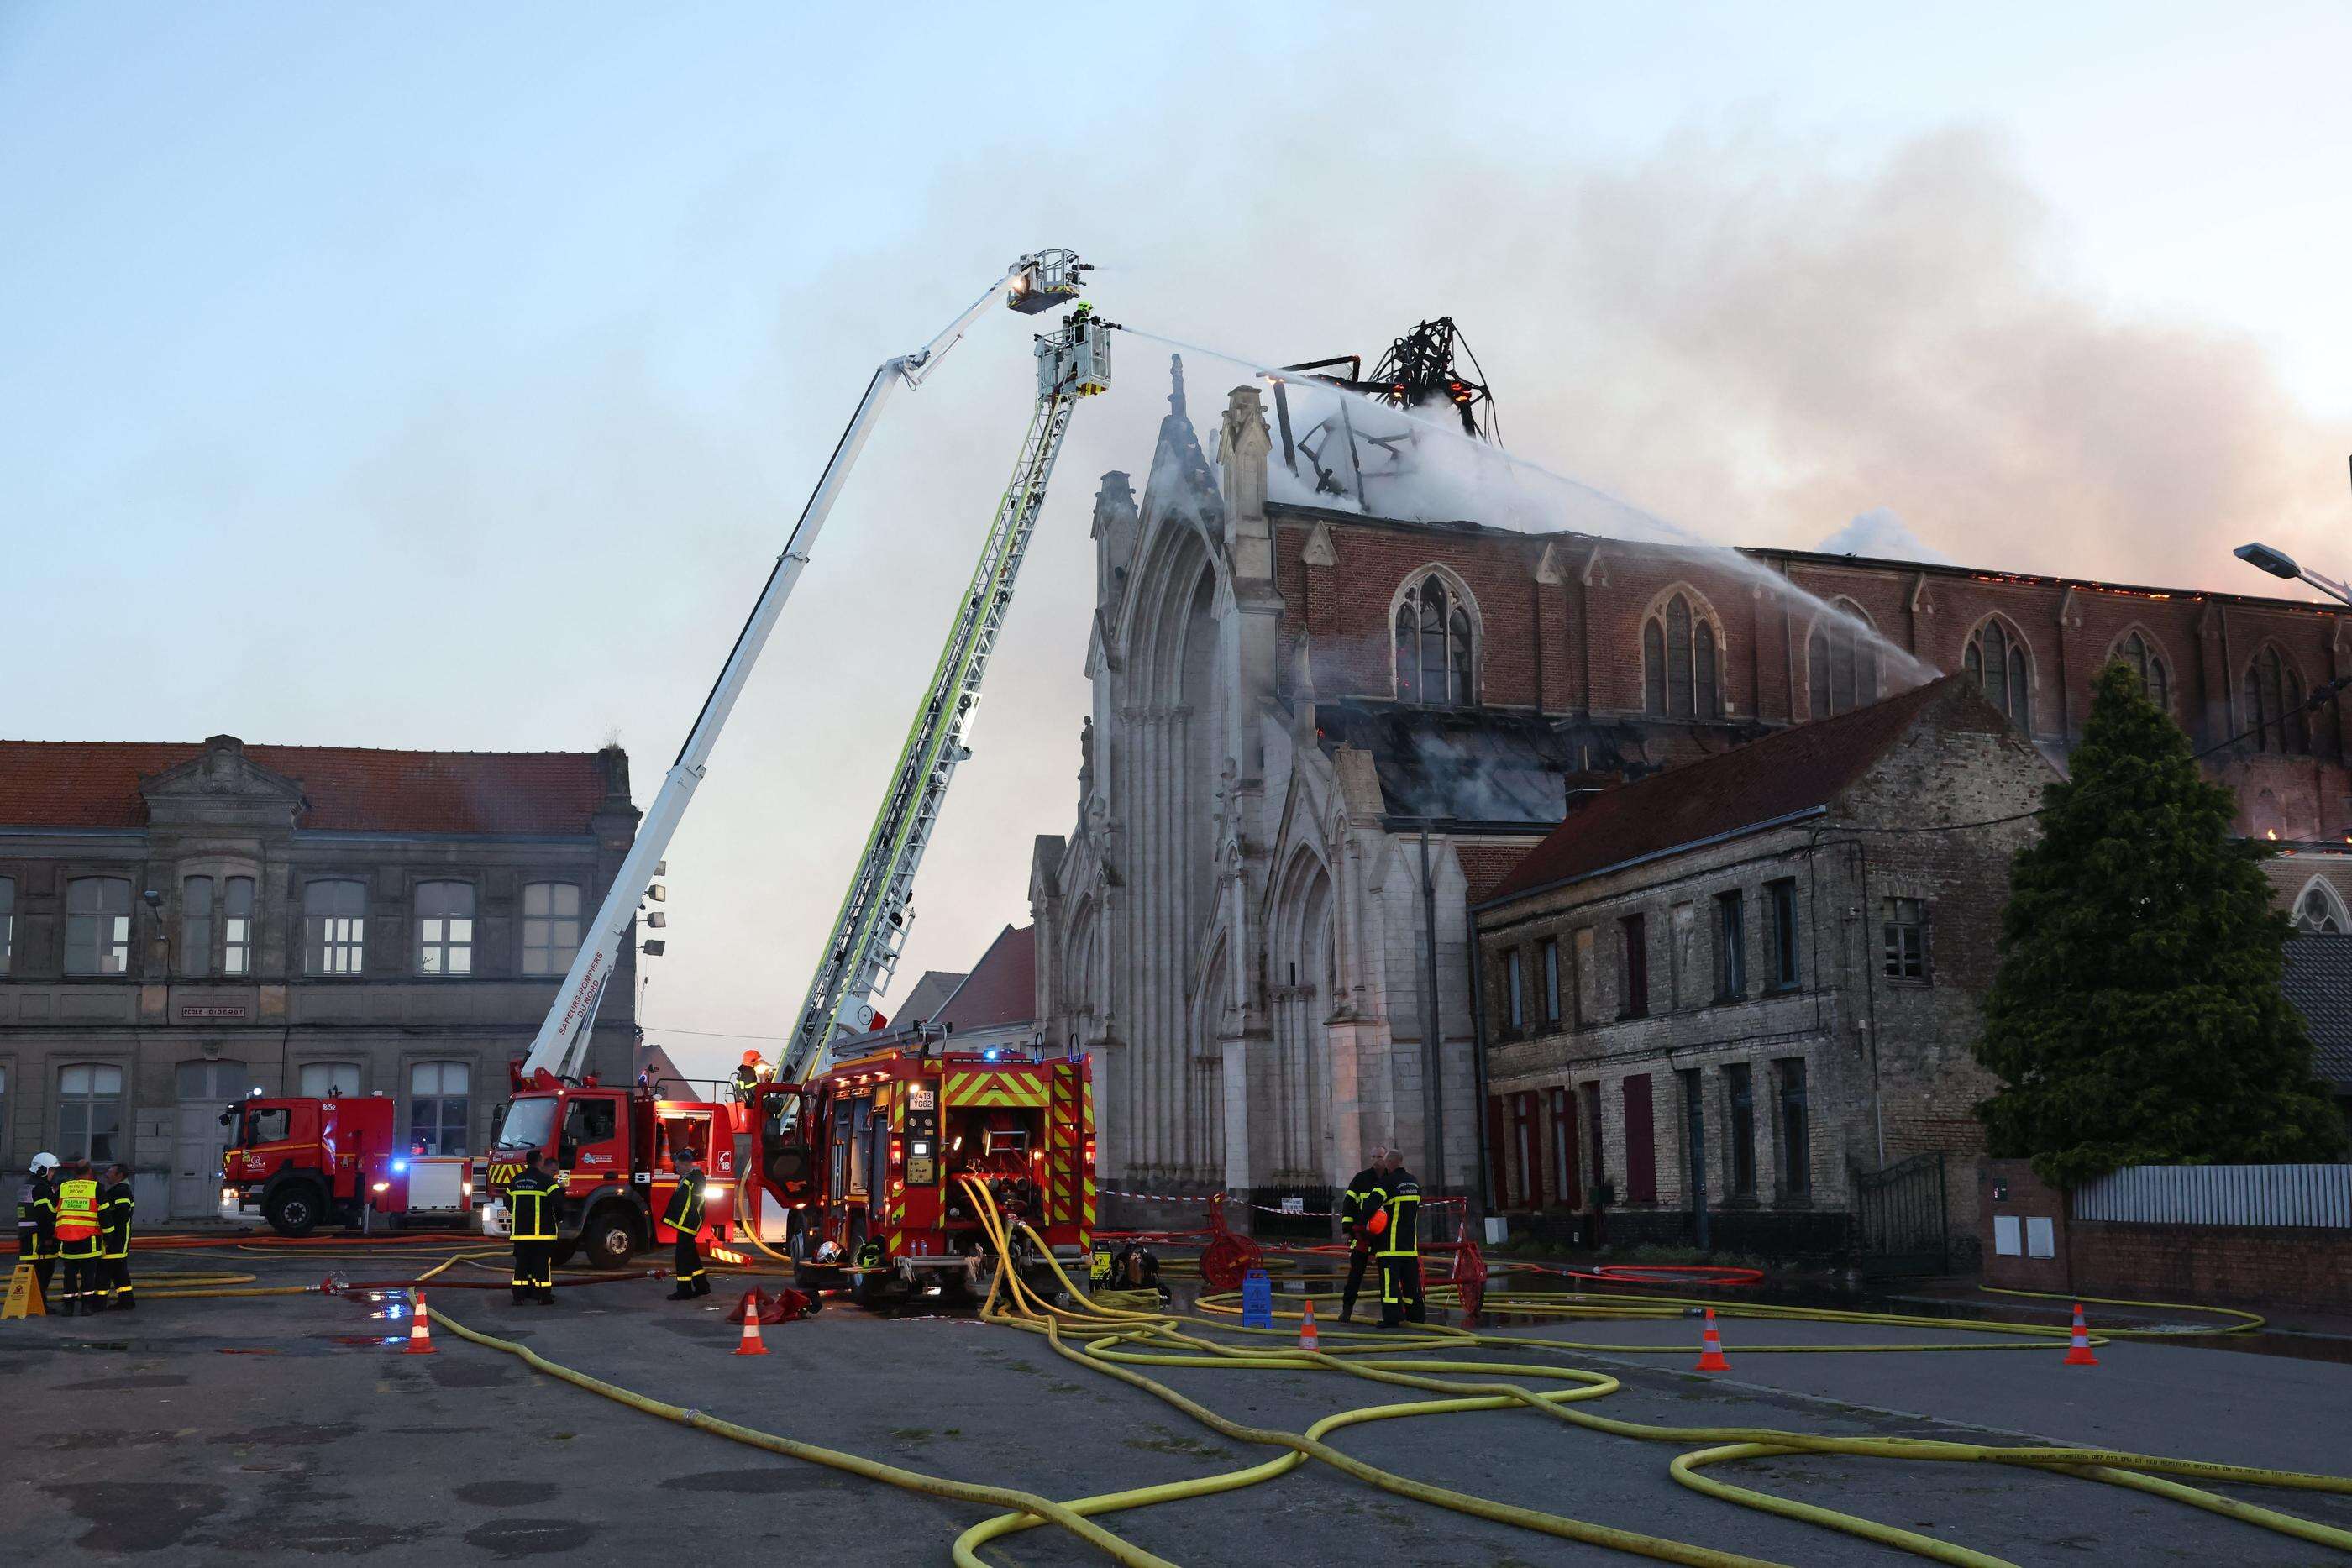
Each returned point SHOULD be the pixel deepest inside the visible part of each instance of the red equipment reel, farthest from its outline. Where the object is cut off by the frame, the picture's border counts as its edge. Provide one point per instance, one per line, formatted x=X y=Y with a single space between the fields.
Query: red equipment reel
x=1470 y=1280
x=1227 y=1257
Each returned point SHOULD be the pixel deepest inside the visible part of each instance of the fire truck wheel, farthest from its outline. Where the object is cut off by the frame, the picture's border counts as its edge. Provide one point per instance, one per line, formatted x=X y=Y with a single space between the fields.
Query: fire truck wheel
x=609 y=1237
x=295 y=1209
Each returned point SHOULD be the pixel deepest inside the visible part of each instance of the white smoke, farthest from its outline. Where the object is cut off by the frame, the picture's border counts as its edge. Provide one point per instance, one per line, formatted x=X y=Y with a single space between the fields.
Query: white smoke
x=1881 y=533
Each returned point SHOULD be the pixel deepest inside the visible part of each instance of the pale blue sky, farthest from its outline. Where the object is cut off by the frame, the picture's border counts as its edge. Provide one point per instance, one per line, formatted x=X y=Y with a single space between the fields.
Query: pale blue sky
x=417 y=376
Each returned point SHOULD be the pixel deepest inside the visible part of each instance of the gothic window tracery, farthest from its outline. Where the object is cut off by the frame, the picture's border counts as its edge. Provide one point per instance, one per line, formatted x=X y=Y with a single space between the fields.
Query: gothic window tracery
x=2274 y=705
x=2140 y=655
x=1996 y=663
x=1682 y=661
x=1435 y=646
x=1841 y=664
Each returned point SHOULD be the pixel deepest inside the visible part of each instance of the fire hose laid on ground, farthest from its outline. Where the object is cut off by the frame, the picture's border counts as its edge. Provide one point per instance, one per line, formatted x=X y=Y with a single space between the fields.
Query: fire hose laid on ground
x=1115 y=1340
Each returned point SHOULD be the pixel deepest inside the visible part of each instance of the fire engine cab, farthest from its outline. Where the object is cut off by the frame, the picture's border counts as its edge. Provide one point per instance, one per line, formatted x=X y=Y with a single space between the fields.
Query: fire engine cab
x=616 y=1156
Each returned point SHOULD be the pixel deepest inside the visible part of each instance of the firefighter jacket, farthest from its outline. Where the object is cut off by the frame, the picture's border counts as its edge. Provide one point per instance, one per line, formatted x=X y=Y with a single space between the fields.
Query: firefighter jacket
x=114 y=1206
x=1403 y=1237
x=36 y=1219
x=531 y=1207
x=77 y=1218
x=1367 y=1192
x=685 y=1212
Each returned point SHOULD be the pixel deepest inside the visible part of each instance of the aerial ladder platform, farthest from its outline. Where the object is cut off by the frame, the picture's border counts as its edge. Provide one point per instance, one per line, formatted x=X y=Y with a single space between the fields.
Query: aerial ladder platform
x=1073 y=362
x=862 y=953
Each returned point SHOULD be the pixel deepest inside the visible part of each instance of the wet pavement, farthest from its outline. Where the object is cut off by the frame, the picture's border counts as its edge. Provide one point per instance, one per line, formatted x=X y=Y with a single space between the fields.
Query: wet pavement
x=285 y=1429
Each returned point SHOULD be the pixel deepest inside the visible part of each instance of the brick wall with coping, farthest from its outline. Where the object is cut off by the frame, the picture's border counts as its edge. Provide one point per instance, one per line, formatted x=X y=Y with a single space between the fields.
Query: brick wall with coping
x=2218 y=1264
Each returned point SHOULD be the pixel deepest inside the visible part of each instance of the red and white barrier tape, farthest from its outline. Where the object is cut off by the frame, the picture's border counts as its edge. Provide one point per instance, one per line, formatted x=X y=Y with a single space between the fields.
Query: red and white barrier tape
x=1261 y=1208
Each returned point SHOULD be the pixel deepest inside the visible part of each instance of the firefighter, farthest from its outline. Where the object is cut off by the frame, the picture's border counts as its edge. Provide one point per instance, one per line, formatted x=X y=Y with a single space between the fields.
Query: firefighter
x=746 y=1075
x=530 y=1207
x=1367 y=1193
x=1400 y=1248
x=114 y=1209
x=36 y=1220
x=685 y=1217
x=78 y=1244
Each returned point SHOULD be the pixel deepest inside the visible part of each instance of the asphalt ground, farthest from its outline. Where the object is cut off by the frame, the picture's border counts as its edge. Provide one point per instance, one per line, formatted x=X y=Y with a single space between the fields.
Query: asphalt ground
x=283 y=1429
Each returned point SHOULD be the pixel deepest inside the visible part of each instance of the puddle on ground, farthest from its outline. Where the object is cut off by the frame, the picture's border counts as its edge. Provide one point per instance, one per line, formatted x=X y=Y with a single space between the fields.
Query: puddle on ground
x=363 y=1339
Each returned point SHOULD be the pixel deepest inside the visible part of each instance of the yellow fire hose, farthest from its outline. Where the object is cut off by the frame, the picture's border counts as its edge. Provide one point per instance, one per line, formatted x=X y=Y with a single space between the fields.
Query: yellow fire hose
x=1730 y=1443
x=1116 y=1337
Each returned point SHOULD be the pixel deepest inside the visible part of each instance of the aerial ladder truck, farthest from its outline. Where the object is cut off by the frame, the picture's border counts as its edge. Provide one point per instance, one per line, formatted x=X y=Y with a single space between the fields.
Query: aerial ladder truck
x=870 y=1151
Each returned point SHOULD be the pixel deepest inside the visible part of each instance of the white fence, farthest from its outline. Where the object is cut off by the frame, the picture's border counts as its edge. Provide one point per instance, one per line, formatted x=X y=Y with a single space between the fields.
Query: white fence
x=2315 y=1196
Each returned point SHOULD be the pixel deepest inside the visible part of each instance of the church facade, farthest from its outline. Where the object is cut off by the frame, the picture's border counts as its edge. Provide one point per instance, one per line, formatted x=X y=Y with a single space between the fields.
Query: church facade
x=1319 y=736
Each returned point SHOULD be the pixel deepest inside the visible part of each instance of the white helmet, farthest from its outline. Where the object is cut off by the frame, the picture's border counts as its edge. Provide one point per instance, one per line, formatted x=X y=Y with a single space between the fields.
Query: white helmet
x=44 y=1162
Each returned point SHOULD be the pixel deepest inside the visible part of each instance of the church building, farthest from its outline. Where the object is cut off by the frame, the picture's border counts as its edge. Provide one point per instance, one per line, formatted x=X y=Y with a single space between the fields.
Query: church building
x=1321 y=734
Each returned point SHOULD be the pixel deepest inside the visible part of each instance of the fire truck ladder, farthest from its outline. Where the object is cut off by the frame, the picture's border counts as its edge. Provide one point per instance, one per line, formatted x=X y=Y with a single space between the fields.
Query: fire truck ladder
x=862 y=953
x=1043 y=280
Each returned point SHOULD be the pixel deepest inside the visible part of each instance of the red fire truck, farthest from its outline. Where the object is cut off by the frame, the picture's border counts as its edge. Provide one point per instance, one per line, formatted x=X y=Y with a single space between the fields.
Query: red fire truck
x=302 y=1162
x=875 y=1152
x=872 y=1151
x=617 y=1154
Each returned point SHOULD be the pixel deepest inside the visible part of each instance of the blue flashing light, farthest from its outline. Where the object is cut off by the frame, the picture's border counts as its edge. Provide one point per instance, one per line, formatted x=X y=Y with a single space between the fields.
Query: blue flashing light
x=991 y=1054
x=400 y=1167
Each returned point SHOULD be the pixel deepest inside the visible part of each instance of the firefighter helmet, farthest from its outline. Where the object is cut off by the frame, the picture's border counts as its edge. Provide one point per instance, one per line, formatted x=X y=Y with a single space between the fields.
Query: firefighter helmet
x=44 y=1161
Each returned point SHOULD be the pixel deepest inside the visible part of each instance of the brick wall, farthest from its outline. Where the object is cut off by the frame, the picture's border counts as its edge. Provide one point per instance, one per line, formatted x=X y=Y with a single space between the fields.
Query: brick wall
x=1574 y=645
x=2248 y=1265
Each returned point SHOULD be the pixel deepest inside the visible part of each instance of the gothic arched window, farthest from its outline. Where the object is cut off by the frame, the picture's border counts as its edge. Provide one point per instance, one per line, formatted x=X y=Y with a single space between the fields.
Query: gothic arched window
x=1682 y=662
x=2318 y=911
x=2138 y=654
x=1996 y=662
x=2273 y=694
x=1435 y=648
x=1841 y=664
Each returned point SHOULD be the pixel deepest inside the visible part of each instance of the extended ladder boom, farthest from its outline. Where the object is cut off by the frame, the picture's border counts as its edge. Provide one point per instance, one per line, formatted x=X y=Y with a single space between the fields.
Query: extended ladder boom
x=862 y=952
x=1033 y=283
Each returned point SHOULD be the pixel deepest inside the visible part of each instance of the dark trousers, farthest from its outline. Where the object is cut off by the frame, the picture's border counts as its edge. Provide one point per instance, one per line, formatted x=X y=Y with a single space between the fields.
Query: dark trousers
x=81 y=1280
x=534 y=1270
x=1401 y=1289
x=691 y=1278
x=1358 y=1257
x=114 y=1278
x=44 y=1270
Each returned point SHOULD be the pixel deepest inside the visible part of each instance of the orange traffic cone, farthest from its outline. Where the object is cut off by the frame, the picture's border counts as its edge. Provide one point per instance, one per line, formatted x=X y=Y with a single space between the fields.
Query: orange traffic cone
x=420 y=1330
x=750 y=1345
x=2079 y=1352
x=1710 y=1353
x=1307 y=1339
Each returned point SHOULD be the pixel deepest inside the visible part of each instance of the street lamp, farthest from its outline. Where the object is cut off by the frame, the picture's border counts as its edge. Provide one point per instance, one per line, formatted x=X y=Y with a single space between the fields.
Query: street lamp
x=2278 y=563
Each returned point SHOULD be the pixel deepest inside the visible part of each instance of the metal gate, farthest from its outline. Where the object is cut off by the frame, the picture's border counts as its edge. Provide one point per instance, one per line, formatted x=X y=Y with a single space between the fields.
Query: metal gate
x=1899 y=1218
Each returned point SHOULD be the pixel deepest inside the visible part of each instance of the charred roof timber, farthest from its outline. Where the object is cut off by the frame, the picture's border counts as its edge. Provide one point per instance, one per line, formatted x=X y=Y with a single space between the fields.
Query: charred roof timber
x=1419 y=370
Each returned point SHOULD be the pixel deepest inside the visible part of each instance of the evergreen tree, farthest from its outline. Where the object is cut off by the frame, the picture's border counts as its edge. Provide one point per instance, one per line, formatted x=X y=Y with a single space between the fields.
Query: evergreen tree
x=2136 y=1016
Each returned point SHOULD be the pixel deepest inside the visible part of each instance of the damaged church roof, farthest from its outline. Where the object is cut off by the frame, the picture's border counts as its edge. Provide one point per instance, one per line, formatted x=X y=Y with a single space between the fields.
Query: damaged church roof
x=1456 y=764
x=1780 y=776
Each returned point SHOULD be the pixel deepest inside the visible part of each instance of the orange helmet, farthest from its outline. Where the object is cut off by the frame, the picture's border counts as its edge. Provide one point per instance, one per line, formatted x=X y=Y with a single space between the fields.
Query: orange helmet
x=751 y=1059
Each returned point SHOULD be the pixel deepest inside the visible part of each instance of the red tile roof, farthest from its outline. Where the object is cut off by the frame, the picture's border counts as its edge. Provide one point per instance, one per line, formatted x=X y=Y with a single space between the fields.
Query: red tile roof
x=1778 y=776
x=94 y=784
x=1002 y=990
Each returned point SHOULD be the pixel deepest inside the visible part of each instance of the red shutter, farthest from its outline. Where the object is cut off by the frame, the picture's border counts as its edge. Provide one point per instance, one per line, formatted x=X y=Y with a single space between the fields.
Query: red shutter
x=1539 y=1158
x=1564 y=1149
x=1641 y=1143
x=1497 y=1154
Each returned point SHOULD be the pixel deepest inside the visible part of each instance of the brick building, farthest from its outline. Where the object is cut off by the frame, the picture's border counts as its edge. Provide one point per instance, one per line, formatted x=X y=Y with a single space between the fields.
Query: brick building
x=1750 y=975
x=1299 y=683
x=180 y=924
